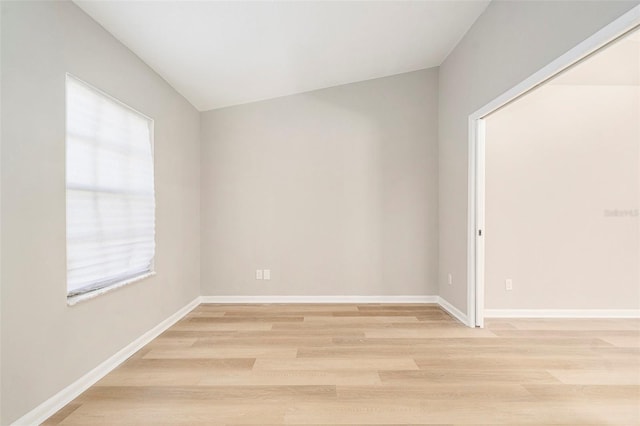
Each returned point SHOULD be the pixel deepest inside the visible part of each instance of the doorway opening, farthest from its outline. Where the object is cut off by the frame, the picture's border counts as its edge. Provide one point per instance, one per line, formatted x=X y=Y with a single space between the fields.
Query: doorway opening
x=605 y=67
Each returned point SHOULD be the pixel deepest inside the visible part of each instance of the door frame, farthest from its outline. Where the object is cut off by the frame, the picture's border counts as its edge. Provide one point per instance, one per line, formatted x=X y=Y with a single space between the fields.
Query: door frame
x=476 y=166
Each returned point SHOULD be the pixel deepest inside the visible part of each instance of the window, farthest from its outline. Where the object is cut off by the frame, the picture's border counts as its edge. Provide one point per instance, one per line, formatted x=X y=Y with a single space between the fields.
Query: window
x=110 y=192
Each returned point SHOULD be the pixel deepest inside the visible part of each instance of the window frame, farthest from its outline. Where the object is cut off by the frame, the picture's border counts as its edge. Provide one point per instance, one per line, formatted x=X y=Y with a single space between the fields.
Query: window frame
x=105 y=286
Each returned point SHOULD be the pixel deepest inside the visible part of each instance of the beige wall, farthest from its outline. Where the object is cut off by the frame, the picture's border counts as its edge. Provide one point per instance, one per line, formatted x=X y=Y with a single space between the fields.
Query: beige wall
x=509 y=42
x=559 y=161
x=337 y=191
x=46 y=345
x=334 y=190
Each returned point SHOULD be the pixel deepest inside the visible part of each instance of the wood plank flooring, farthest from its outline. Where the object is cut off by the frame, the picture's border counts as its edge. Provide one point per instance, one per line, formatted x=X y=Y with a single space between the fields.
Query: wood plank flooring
x=370 y=364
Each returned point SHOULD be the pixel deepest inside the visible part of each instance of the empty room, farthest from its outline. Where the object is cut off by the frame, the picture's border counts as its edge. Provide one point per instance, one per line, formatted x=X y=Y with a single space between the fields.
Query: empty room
x=319 y=212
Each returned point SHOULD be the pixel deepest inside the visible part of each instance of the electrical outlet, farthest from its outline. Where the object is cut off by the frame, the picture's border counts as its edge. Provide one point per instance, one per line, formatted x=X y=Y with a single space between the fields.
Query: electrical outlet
x=450 y=278
x=258 y=274
x=266 y=274
x=508 y=284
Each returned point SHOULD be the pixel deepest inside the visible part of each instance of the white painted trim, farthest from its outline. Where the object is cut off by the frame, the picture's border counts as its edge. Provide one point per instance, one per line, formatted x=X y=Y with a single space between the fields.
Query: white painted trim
x=480 y=223
x=562 y=313
x=593 y=43
x=472 y=228
x=49 y=407
x=52 y=405
x=598 y=40
x=319 y=299
x=455 y=312
x=443 y=303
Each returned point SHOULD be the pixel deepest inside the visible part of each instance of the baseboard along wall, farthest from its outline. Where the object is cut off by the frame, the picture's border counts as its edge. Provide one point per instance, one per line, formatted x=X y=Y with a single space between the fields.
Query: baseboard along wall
x=52 y=405
x=49 y=407
x=562 y=313
x=319 y=299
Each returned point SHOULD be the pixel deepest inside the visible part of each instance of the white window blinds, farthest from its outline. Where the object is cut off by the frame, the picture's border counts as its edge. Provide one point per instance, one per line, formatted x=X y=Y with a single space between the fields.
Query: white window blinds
x=110 y=191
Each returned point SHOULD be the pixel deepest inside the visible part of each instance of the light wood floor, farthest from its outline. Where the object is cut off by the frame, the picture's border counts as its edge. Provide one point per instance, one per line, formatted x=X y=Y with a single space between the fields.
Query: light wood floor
x=370 y=364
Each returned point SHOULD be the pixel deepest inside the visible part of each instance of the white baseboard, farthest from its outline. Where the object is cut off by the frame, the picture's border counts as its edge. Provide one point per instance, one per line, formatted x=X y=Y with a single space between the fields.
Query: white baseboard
x=319 y=299
x=562 y=313
x=45 y=410
x=49 y=407
x=444 y=304
x=455 y=312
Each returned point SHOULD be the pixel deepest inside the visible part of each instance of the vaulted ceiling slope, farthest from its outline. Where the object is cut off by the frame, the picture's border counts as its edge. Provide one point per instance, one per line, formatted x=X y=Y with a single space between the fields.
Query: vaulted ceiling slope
x=218 y=54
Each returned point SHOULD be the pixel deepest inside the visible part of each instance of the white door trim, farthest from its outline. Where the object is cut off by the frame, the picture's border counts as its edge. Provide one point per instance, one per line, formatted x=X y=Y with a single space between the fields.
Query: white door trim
x=476 y=188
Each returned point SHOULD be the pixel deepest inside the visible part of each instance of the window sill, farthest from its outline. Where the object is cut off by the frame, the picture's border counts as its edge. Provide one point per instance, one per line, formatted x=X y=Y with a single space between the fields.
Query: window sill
x=95 y=293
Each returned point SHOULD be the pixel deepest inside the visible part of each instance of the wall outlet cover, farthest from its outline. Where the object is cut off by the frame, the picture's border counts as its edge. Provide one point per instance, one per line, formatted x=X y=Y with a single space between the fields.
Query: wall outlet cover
x=508 y=284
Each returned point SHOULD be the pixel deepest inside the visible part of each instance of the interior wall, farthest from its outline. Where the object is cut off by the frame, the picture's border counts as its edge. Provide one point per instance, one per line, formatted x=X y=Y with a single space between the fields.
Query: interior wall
x=334 y=191
x=562 y=193
x=510 y=41
x=46 y=345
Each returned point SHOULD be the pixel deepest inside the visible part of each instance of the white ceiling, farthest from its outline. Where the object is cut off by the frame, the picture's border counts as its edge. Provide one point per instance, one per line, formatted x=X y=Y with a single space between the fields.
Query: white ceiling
x=218 y=54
